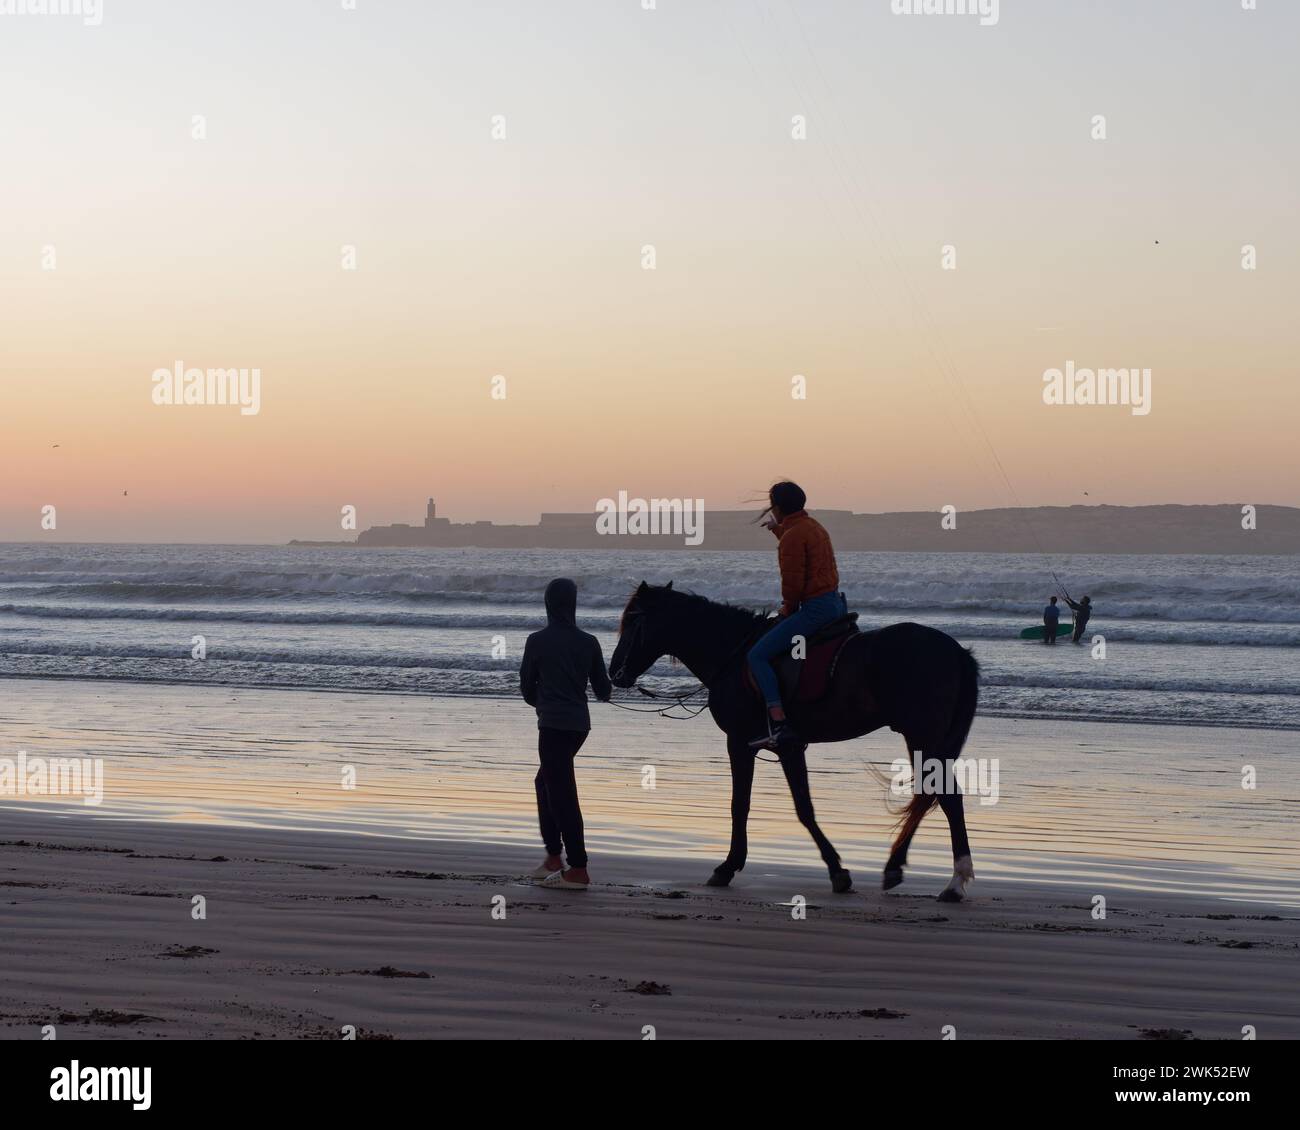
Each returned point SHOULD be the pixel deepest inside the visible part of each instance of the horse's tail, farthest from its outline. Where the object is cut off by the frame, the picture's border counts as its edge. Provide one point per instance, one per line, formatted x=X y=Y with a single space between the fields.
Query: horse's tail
x=913 y=814
x=963 y=714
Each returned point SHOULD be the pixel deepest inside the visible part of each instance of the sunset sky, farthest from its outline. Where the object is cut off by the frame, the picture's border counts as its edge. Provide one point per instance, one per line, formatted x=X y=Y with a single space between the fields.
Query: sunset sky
x=522 y=256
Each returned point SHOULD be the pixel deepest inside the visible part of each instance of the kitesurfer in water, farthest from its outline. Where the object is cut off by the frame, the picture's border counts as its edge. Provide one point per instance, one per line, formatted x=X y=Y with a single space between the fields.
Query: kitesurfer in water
x=1051 y=619
x=1082 y=613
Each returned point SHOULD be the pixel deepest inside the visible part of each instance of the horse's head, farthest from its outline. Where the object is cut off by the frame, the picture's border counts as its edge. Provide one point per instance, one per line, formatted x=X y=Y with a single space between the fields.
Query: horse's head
x=641 y=634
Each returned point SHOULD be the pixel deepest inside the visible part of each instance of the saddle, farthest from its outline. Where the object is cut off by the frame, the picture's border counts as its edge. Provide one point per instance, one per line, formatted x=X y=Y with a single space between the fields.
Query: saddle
x=809 y=679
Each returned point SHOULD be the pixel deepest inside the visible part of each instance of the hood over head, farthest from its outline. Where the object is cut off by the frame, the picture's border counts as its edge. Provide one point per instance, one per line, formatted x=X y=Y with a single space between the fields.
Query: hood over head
x=561 y=601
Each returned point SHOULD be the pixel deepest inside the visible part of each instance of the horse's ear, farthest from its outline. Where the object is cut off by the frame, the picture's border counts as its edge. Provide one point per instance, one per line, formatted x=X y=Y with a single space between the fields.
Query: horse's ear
x=642 y=589
x=668 y=587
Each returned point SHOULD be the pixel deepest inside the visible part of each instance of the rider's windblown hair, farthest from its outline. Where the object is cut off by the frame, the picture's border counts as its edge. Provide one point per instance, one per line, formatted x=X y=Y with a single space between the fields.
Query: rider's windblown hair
x=786 y=496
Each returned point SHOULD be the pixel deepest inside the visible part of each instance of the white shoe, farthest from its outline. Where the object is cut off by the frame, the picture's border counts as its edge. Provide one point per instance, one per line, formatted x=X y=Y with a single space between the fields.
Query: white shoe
x=556 y=881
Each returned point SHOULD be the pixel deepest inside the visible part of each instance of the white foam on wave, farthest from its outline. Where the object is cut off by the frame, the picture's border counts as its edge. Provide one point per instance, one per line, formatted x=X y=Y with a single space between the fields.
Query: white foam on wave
x=1171 y=589
x=356 y=619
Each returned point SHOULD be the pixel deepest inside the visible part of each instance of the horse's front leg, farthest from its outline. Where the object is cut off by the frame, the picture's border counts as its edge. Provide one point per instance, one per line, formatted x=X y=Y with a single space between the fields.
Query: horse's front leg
x=742 y=788
x=794 y=764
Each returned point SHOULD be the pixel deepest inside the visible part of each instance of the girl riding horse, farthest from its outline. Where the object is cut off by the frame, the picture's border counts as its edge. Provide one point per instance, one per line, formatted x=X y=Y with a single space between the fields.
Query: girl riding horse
x=810 y=599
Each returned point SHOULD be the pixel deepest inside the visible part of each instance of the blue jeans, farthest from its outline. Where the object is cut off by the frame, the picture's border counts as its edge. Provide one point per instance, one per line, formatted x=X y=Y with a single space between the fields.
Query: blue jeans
x=810 y=615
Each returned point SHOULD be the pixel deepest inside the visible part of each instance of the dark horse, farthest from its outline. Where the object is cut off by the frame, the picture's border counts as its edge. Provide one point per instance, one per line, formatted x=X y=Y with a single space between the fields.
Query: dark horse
x=915 y=680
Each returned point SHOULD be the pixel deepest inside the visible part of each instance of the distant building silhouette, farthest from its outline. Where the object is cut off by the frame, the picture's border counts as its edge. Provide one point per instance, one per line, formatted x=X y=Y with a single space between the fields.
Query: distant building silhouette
x=1040 y=529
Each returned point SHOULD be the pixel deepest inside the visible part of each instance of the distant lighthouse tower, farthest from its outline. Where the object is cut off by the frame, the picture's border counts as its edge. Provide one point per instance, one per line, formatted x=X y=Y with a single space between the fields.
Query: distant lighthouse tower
x=430 y=513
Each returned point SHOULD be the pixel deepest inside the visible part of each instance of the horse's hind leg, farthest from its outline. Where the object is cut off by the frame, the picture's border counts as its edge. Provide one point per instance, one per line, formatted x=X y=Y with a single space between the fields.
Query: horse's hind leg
x=898 y=856
x=742 y=787
x=963 y=871
x=794 y=764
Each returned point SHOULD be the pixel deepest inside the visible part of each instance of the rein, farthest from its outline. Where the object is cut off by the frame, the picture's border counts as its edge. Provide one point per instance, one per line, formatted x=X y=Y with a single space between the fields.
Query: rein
x=683 y=700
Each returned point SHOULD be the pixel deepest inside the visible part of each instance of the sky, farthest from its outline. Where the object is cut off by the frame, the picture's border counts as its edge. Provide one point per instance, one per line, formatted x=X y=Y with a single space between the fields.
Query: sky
x=128 y=244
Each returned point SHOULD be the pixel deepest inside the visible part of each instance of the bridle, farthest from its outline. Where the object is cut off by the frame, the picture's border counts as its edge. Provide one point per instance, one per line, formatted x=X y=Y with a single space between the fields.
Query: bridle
x=633 y=640
x=683 y=700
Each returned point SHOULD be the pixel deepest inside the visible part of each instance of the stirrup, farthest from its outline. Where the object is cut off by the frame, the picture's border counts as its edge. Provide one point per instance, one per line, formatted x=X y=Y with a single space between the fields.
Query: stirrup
x=785 y=735
x=768 y=742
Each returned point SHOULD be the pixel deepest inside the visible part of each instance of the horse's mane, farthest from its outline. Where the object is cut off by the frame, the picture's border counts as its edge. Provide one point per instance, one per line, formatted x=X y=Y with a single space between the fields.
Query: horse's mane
x=701 y=607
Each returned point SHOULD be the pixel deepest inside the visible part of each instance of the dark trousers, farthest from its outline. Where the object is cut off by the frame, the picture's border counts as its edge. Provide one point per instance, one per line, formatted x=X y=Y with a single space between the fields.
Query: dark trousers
x=557 y=794
x=1080 y=626
x=1049 y=630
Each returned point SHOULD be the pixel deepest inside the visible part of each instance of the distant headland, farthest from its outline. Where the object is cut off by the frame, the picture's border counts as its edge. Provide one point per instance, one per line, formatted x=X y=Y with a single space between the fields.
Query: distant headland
x=1211 y=529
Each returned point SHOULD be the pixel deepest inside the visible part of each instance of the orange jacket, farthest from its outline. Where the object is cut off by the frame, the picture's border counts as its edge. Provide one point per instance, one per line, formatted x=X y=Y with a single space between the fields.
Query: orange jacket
x=807 y=560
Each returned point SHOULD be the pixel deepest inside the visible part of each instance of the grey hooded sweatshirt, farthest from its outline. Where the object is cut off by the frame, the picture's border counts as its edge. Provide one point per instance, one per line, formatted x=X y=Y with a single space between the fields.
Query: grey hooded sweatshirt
x=558 y=663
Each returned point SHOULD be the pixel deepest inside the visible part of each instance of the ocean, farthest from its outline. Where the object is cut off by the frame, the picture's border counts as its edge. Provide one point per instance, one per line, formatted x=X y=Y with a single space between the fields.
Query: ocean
x=1121 y=773
x=1204 y=641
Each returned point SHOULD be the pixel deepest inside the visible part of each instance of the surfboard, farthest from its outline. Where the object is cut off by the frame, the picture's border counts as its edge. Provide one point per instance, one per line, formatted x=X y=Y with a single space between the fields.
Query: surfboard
x=1038 y=632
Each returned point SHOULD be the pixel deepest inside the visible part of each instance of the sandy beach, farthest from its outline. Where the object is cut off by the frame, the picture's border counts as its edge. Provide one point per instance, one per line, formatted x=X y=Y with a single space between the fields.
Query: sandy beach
x=374 y=907
x=308 y=933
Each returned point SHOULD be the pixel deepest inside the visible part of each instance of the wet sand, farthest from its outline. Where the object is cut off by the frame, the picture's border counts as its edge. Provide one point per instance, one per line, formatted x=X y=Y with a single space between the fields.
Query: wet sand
x=1112 y=806
x=373 y=906
x=307 y=933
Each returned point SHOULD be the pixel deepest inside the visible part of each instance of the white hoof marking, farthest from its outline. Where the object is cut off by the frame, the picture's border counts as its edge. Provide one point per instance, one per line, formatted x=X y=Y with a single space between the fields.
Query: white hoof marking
x=963 y=871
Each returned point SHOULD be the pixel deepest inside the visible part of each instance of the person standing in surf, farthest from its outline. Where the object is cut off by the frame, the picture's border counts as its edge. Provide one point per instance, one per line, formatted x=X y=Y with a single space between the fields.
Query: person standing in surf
x=1051 y=620
x=810 y=599
x=559 y=662
x=1082 y=613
